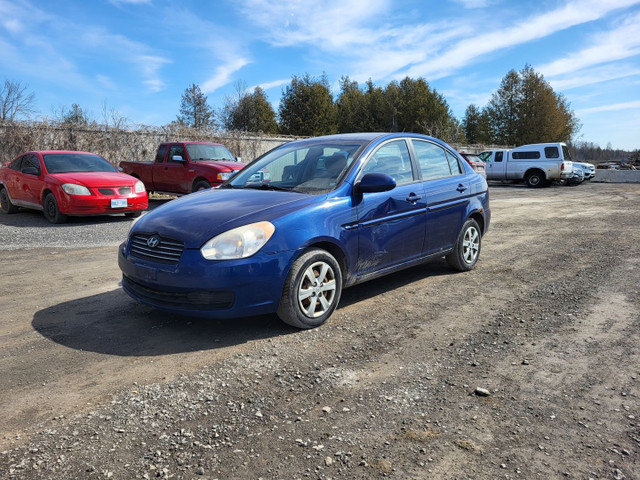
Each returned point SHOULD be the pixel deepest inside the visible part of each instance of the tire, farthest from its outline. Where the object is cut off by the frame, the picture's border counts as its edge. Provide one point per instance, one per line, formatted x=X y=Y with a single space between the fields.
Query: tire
x=51 y=210
x=536 y=179
x=466 y=251
x=5 y=202
x=201 y=185
x=312 y=290
x=133 y=214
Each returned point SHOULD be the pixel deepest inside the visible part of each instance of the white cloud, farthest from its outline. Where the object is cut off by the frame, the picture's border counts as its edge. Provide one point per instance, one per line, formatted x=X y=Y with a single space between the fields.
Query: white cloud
x=328 y=24
x=610 y=108
x=270 y=85
x=223 y=75
x=621 y=42
x=474 y=3
x=469 y=50
x=591 y=76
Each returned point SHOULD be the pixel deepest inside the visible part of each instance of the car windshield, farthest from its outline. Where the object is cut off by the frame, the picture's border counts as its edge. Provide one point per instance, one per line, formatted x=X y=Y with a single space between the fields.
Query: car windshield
x=201 y=152
x=301 y=167
x=76 y=162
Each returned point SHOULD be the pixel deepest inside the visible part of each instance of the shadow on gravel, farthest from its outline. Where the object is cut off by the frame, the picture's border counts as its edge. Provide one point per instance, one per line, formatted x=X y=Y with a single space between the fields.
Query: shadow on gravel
x=26 y=217
x=112 y=324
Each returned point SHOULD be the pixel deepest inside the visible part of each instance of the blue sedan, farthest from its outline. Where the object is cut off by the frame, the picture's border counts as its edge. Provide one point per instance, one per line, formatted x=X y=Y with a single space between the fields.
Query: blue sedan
x=307 y=219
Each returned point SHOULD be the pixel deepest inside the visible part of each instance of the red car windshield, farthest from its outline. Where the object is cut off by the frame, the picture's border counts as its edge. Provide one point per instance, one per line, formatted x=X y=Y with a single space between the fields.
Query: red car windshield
x=76 y=162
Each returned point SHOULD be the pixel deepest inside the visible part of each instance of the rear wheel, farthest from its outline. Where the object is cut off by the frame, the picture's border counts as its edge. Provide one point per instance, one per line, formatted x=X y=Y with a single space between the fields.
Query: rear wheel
x=51 y=210
x=466 y=251
x=5 y=202
x=312 y=290
x=536 y=179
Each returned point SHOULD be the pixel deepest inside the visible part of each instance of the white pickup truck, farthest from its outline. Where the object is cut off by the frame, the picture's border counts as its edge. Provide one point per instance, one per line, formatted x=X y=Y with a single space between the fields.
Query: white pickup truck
x=536 y=164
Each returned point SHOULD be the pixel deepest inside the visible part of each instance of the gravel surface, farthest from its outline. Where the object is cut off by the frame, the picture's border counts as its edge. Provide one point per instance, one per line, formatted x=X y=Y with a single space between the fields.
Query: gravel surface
x=526 y=367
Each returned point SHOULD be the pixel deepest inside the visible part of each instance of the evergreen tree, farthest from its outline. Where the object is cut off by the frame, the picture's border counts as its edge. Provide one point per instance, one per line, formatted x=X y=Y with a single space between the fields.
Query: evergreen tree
x=525 y=109
x=307 y=107
x=475 y=125
x=194 y=110
x=249 y=112
x=353 y=114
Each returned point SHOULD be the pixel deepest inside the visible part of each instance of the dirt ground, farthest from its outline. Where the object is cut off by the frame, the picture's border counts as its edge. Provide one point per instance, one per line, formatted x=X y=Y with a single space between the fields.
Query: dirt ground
x=526 y=367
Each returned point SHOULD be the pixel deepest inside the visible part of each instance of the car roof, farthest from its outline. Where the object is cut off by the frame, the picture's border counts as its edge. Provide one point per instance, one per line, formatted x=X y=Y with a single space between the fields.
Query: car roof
x=53 y=152
x=190 y=142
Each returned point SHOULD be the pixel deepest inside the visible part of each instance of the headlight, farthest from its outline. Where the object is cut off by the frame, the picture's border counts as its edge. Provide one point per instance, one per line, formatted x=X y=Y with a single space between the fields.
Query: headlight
x=139 y=188
x=73 y=189
x=241 y=242
x=224 y=176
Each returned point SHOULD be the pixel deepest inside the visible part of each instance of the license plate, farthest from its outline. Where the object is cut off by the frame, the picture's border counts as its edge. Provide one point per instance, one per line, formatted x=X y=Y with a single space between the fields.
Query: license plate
x=118 y=202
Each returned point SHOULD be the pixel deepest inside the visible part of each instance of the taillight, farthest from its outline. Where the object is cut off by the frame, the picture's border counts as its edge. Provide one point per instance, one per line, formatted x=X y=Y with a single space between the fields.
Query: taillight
x=562 y=166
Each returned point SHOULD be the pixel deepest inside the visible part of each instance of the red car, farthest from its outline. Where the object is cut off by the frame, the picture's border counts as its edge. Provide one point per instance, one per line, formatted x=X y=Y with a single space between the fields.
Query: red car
x=475 y=162
x=62 y=183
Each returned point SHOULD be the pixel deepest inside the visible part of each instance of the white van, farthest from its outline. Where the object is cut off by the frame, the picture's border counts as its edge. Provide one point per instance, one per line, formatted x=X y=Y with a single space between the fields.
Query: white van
x=536 y=164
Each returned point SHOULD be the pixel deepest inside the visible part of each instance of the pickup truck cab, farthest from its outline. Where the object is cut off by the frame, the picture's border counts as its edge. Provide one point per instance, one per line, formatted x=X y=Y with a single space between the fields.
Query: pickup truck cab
x=536 y=164
x=185 y=167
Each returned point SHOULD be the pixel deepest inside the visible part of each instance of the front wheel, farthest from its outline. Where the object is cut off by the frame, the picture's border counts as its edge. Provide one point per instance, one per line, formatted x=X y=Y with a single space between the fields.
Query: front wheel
x=201 y=185
x=466 y=251
x=312 y=290
x=51 y=210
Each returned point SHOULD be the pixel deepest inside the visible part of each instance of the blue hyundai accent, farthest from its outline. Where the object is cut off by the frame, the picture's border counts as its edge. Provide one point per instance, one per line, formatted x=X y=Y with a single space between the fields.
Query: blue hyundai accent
x=302 y=222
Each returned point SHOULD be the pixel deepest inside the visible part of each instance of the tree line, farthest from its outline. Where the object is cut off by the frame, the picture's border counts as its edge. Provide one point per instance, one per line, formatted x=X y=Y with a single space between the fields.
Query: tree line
x=524 y=109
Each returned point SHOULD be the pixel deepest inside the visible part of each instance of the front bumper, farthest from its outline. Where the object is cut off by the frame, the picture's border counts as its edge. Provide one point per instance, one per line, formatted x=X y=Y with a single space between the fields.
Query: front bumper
x=100 y=205
x=204 y=288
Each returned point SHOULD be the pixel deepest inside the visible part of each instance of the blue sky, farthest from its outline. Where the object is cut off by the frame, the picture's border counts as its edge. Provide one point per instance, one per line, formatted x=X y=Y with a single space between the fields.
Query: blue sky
x=137 y=56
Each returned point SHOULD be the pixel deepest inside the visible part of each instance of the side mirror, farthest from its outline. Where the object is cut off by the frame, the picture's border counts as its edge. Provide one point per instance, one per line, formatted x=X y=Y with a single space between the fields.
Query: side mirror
x=376 y=182
x=178 y=158
x=30 y=171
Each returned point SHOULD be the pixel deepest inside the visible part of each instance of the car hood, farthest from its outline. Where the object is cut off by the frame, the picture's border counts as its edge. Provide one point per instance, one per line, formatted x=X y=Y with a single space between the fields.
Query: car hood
x=95 y=179
x=220 y=164
x=197 y=217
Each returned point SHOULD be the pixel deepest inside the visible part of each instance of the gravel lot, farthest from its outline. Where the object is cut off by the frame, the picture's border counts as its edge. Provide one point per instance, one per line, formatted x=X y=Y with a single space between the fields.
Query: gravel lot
x=526 y=367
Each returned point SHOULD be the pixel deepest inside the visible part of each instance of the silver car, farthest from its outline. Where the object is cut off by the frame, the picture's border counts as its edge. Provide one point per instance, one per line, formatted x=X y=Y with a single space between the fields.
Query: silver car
x=588 y=169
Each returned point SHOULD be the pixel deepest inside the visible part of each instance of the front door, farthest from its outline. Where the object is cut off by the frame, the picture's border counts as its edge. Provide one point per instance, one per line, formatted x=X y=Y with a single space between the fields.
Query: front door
x=391 y=225
x=172 y=175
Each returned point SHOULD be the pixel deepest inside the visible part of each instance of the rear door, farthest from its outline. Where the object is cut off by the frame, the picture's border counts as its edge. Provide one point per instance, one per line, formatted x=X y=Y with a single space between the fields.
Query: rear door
x=391 y=225
x=447 y=190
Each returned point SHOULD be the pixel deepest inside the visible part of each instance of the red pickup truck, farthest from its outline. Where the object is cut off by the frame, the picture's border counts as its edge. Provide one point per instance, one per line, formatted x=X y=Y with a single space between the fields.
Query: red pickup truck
x=184 y=167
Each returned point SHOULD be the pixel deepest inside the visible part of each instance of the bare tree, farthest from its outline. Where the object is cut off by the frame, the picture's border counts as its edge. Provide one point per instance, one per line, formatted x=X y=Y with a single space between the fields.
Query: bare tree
x=15 y=101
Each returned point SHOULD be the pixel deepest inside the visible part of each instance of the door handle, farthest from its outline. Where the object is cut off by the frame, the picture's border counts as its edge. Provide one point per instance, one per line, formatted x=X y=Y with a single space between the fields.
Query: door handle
x=413 y=198
x=461 y=188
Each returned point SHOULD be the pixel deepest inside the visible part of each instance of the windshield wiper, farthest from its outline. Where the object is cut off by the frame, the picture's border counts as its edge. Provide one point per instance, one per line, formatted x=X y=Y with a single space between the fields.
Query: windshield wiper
x=266 y=186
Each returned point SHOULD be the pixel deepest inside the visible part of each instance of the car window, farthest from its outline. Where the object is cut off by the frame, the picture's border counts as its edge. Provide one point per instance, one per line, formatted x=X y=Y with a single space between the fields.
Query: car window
x=433 y=160
x=15 y=165
x=551 y=152
x=499 y=156
x=30 y=161
x=392 y=159
x=76 y=162
x=162 y=149
x=176 y=150
x=454 y=164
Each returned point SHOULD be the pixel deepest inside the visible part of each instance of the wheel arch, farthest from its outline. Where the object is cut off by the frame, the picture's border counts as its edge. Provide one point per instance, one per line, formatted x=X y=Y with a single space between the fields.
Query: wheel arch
x=333 y=249
x=535 y=170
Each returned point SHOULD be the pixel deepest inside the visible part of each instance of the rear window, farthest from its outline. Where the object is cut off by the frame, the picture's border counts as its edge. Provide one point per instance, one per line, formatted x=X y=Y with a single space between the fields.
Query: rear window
x=526 y=155
x=551 y=152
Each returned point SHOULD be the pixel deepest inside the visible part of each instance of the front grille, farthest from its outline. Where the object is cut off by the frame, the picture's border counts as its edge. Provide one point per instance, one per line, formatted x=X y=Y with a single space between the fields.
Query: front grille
x=166 y=250
x=198 y=300
x=124 y=190
x=106 y=191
